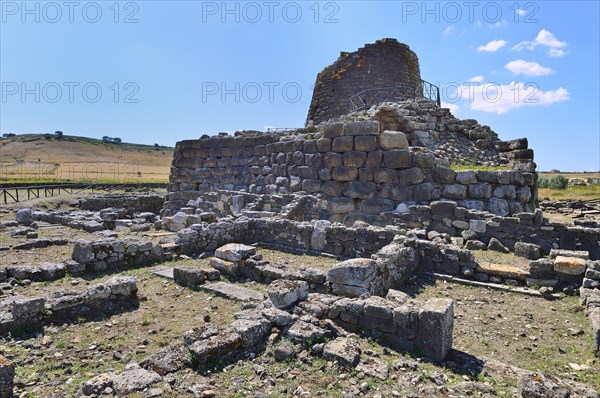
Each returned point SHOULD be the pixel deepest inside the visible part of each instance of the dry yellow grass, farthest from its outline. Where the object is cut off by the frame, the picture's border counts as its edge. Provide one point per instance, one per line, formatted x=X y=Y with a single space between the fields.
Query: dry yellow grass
x=33 y=157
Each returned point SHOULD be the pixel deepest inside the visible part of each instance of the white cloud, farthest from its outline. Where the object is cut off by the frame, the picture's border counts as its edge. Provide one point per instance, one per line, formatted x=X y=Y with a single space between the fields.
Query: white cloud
x=500 y=99
x=492 y=46
x=544 y=38
x=448 y=31
x=557 y=53
x=520 y=67
x=476 y=79
x=453 y=107
x=521 y=11
x=499 y=24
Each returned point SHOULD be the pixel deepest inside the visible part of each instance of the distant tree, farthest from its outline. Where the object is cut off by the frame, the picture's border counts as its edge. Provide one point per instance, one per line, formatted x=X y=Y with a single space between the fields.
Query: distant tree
x=48 y=136
x=156 y=145
x=106 y=139
x=58 y=134
x=8 y=135
x=117 y=140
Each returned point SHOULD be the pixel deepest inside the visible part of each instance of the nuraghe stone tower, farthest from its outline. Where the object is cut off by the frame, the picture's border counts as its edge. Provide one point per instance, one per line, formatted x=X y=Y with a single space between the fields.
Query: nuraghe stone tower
x=365 y=165
x=380 y=68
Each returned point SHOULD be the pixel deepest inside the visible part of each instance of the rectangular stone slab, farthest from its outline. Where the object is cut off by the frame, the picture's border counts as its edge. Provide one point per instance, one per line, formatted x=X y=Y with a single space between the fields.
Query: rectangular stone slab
x=232 y=291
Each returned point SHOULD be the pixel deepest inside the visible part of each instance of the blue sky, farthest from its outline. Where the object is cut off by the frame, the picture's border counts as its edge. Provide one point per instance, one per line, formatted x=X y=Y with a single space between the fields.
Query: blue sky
x=159 y=72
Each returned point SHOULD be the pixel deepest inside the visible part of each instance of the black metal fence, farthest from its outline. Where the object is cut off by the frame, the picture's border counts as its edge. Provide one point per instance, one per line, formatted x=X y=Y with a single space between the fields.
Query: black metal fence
x=18 y=193
x=400 y=92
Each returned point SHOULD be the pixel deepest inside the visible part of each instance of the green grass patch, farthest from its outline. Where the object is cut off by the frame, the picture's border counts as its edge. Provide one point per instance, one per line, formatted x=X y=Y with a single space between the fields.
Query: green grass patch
x=577 y=192
x=473 y=166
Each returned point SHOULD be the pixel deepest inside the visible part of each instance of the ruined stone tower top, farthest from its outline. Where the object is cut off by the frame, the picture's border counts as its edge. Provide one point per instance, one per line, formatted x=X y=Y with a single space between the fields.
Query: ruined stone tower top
x=387 y=69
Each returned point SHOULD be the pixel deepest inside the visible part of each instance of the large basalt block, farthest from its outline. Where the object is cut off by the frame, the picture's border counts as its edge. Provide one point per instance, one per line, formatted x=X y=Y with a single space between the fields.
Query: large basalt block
x=411 y=176
x=389 y=140
x=344 y=173
x=359 y=189
x=436 y=322
x=370 y=127
x=342 y=144
x=396 y=159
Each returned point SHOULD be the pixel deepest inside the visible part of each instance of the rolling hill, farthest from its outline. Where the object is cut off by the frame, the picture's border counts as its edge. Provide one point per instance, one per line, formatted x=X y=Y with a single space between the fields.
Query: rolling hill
x=40 y=157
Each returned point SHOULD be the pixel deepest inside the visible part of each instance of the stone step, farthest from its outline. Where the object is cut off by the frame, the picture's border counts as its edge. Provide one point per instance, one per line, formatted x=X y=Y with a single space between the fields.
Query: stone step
x=166 y=272
x=233 y=292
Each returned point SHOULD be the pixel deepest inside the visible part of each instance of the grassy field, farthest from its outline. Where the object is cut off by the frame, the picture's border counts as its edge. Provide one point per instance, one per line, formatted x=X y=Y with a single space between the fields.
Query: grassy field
x=34 y=158
x=579 y=193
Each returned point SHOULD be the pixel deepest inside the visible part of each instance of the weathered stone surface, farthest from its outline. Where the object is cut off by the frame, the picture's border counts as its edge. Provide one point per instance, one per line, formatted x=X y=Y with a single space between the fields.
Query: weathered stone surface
x=397 y=296
x=354 y=158
x=343 y=350
x=190 y=277
x=253 y=332
x=411 y=176
x=340 y=205
x=83 y=251
x=342 y=144
x=569 y=265
x=318 y=239
x=498 y=206
x=285 y=293
x=235 y=252
x=224 y=267
x=436 y=322
x=478 y=226
x=480 y=191
x=135 y=379
x=355 y=272
x=25 y=216
x=502 y=270
x=455 y=191
x=389 y=140
x=306 y=333
x=7 y=374
x=396 y=159
x=344 y=173
x=359 y=189
x=466 y=177
x=168 y=360
x=284 y=351
x=496 y=245
x=365 y=143
x=232 y=291
x=528 y=250
x=97 y=385
x=370 y=127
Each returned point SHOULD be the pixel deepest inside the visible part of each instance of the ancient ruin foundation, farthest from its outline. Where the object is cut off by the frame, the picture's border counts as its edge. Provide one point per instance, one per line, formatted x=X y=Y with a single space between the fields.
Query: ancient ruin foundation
x=298 y=246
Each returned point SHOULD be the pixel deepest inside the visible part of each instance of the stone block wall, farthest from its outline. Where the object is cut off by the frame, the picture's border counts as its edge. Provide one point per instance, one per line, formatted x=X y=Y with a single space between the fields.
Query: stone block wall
x=384 y=64
x=107 y=254
x=409 y=325
x=133 y=203
x=22 y=314
x=357 y=170
x=361 y=240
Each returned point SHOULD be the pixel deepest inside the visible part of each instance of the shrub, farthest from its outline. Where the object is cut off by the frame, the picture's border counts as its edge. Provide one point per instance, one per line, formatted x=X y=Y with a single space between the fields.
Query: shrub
x=558 y=182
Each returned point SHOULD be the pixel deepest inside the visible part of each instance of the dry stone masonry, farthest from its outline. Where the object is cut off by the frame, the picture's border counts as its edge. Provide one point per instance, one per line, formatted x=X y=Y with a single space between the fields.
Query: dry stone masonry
x=385 y=64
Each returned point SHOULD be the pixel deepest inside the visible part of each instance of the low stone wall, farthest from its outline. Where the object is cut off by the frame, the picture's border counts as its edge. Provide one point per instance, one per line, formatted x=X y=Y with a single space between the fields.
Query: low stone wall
x=449 y=217
x=321 y=236
x=151 y=202
x=409 y=325
x=100 y=255
x=357 y=167
x=22 y=314
x=7 y=374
